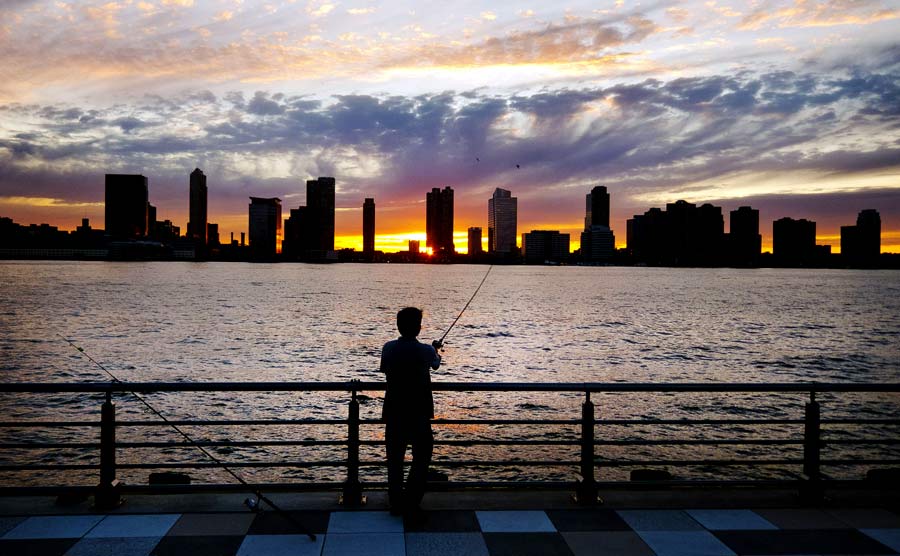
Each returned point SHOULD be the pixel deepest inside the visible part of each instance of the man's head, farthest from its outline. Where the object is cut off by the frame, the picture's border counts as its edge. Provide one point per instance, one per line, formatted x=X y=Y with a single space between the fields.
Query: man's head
x=409 y=322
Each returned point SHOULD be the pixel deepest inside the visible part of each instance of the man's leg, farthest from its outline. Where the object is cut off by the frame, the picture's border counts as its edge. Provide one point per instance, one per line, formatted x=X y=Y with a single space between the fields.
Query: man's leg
x=422 y=450
x=395 y=443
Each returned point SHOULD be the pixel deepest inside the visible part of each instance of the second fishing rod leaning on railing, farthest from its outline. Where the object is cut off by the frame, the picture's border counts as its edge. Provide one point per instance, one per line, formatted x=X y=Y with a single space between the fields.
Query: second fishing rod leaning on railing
x=810 y=462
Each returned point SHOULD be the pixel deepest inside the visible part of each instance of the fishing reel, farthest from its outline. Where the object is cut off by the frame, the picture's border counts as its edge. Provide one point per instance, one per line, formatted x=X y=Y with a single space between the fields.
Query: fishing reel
x=438 y=345
x=253 y=504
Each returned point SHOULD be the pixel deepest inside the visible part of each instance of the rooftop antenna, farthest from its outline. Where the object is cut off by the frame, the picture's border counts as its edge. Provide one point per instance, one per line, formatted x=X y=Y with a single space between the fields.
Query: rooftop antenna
x=250 y=502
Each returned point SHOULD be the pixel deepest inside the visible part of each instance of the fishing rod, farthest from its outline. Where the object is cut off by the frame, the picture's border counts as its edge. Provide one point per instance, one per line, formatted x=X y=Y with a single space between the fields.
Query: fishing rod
x=441 y=341
x=252 y=504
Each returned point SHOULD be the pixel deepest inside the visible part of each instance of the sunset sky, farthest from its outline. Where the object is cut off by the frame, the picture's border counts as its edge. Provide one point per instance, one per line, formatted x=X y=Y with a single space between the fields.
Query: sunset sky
x=792 y=107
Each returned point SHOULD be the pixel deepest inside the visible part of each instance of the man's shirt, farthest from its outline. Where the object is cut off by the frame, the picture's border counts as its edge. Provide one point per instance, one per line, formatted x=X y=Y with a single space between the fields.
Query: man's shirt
x=406 y=364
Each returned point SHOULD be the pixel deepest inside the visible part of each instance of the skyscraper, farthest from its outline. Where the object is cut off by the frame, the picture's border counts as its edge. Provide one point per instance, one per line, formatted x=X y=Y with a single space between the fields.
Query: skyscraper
x=793 y=241
x=265 y=227
x=502 y=216
x=598 y=242
x=126 y=205
x=319 y=236
x=369 y=226
x=439 y=220
x=861 y=244
x=745 y=242
x=475 y=241
x=596 y=208
x=197 y=229
x=539 y=246
x=293 y=247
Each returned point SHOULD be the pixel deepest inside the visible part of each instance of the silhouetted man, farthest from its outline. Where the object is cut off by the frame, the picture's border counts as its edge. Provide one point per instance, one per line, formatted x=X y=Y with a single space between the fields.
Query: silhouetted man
x=408 y=409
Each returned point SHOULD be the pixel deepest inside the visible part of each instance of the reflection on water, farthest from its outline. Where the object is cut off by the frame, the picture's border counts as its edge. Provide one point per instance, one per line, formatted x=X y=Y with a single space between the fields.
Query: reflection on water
x=226 y=321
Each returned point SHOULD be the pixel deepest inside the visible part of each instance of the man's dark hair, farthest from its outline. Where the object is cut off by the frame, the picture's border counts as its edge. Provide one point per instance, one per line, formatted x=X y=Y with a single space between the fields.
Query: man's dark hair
x=409 y=321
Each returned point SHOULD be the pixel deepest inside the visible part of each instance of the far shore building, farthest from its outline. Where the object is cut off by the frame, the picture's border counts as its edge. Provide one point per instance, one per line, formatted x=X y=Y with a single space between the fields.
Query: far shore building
x=744 y=239
x=793 y=241
x=502 y=223
x=541 y=246
x=598 y=242
x=265 y=227
x=369 y=226
x=861 y=244
x=439 y=221
x=197 y=225
x=475 y=241
x=126 y=206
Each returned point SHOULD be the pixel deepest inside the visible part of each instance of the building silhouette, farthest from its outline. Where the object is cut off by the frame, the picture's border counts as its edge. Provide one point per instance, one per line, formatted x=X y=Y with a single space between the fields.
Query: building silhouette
x=598 y=242
x=414 y=246
x=682 y=235
x=502 y=217
x=126 y=206
x=369 y=226
x=861 y=244
x=293 y=248
x=596 y=208
x=794 y=241
x=474 y=241
x=709 y=236
x=265 y=227
x=540 y=246
x=439 y=221
x=212 y=235
x=197 y=224
x=319 y=230
x=744 y=239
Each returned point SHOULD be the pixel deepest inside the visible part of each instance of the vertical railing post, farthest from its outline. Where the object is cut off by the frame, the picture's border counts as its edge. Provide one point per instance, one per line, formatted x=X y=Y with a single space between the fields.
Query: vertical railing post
x=811 y=490
x=586 y=493
x=352 y=493
x=107 y=495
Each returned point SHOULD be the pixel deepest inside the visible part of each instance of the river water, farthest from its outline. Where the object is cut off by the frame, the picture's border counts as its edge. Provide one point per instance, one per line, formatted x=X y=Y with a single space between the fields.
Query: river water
x=164 y=321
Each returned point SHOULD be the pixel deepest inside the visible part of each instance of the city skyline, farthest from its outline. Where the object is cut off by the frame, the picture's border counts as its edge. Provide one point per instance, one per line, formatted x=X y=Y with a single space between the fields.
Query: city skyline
x=309 y=232
x=786 y=106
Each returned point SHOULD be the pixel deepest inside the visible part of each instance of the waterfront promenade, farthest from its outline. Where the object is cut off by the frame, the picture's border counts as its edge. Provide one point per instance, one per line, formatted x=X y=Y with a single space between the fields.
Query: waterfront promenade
x=510 y=522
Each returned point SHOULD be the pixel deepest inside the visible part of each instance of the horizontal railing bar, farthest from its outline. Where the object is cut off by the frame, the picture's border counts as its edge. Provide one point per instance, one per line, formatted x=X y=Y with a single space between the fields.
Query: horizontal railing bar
x=47 y=424
x=629 y=422
x=598 y=387
x=452 y=464
x=572 y=422
x=443 y=485
x=231 y=422
x=573 y=442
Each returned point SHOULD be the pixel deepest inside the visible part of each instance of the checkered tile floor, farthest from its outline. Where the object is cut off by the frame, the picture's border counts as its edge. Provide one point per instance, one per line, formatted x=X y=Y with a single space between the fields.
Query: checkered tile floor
x=578 y=532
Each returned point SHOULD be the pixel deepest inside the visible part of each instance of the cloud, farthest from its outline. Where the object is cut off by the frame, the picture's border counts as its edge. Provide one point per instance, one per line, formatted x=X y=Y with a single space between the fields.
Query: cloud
x=731 y=136
x=829 y=13
x=555 y=43
x=361 y=11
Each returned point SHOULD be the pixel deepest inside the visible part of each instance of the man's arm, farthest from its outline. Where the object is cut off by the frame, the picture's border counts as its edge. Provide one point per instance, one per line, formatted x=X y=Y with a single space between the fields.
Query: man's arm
x=436 y=360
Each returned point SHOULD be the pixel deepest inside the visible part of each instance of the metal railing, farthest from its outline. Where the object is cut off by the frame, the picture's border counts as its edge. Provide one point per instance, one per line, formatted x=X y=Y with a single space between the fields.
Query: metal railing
x=811 y=483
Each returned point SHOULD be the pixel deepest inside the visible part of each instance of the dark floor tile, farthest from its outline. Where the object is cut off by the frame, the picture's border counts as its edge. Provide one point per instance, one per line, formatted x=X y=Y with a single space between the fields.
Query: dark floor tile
x=443 y=521
x=36 y=547
x=802 y=541
x=207 y=525
x=8 y=522
x=274 y=523
x=218 y=545
x=587 y=520
x=526 y=544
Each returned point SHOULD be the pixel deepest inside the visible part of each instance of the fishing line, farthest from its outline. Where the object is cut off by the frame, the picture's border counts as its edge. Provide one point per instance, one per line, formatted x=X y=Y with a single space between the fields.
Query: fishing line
x=259 y=495
x=467 y=304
